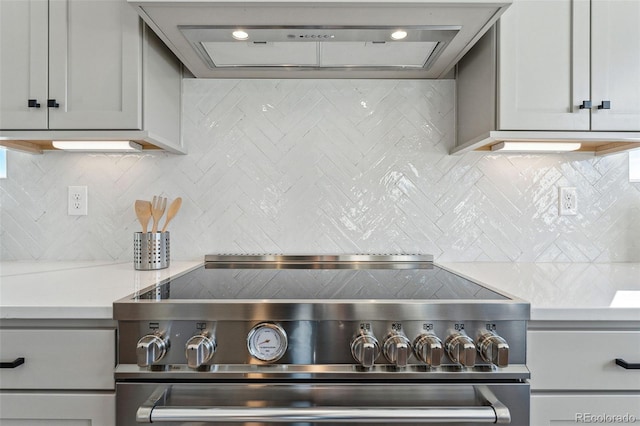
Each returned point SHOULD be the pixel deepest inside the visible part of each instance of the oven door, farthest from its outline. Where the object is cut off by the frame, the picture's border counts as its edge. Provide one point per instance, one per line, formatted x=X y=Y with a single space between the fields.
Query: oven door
x=310 y=403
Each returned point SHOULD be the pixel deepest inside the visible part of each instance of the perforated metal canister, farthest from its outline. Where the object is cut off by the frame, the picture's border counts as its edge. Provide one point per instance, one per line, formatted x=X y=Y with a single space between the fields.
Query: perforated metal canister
x=150 y=250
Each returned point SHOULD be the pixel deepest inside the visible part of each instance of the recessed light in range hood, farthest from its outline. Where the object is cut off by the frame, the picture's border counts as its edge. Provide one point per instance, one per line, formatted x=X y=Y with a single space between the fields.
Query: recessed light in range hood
x=390 y=47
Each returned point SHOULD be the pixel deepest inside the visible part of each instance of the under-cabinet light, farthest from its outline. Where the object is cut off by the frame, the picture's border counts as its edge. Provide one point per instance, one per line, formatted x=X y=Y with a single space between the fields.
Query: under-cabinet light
x=536 y=146
x=97 y=146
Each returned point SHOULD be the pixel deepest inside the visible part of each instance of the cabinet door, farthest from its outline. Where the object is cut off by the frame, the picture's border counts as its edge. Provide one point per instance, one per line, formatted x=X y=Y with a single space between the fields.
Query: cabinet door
x=94 y=65
x=57 y=409
x=587 y=360
x=559 y=409
x=23 y=63
x=83 y=359
x=615 y=49
x=544 y=65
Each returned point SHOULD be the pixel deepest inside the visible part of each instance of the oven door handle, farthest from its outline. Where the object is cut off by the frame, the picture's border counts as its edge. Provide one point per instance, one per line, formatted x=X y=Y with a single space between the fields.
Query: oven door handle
x=496 y=412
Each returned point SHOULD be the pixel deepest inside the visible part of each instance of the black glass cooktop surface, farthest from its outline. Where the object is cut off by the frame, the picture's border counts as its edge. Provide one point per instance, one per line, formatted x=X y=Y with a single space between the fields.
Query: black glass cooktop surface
x=418 y=281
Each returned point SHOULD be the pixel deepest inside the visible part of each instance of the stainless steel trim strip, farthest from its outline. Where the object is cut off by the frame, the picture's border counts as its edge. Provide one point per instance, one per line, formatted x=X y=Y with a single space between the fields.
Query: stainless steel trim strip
x=323 y=372
x=312 y=310
x=326 y=258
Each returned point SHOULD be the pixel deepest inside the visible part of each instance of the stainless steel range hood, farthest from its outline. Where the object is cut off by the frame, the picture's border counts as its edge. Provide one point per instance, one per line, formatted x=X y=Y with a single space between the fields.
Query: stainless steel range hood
x=321 y=47
x=320 y=39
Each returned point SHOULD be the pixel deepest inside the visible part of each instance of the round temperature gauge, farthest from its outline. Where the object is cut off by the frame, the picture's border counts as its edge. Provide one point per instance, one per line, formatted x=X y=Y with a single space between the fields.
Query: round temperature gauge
x=267 y=342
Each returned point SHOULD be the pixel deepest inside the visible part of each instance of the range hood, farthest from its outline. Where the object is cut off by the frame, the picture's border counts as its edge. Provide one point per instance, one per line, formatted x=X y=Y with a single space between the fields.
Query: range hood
x=319 y=39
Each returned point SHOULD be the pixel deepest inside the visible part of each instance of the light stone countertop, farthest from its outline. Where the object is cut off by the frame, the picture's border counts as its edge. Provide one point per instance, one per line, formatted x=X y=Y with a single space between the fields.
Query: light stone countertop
x=563 y=291
x=556 y=291
x=73 y=290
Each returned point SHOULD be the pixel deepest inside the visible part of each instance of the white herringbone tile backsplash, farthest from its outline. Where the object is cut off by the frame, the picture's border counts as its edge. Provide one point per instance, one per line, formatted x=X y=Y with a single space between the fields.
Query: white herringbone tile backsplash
x=324 y=166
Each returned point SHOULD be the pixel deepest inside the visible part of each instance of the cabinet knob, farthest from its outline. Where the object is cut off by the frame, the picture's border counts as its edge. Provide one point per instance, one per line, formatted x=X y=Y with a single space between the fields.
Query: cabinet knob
x=605 y=105
x=585 y=105
x=33 y=103
x=51 y=103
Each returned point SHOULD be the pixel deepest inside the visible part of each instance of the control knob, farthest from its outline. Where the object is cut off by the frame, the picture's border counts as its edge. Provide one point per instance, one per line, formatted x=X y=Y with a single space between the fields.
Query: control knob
x=150 y=349
x=199 y=350
x=428 y=349
x=461 y=349
x=365 y=348
x=397 y=349
x=493 y=349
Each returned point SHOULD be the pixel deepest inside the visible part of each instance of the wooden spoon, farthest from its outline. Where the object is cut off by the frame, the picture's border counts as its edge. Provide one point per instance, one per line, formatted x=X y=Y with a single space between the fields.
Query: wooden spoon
x=143 y=211
x=172 y=211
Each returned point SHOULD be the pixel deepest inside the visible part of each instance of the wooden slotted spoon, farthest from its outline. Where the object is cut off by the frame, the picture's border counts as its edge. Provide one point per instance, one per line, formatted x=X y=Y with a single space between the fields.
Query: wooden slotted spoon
x=157 y=210
x=172 y=211
x=143 y=212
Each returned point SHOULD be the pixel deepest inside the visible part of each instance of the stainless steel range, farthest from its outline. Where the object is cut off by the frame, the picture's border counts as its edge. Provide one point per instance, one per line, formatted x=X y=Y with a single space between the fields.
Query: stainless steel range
x=321 y=339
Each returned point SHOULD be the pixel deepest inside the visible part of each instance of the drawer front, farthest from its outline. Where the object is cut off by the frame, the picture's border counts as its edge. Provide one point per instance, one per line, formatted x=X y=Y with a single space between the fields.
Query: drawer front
x=582 y=360
x=558 y=409
x=57 y=409
x=58 y=359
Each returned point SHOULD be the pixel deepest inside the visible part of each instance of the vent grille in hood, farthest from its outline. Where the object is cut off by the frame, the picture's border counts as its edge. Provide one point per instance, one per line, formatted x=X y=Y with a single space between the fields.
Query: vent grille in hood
x=320 y=38
x=320 y=47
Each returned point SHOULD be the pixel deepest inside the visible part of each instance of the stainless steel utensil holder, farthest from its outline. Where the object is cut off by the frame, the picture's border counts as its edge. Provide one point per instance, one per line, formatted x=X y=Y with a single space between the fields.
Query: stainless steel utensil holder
x=150 y=250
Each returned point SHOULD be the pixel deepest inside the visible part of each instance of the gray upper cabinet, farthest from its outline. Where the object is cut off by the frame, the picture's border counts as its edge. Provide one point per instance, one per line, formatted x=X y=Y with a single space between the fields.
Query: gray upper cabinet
x=554 y=70
x=24 y=53
x=71 y=68
x=539 y=44
x=94 y=64
x=615 y=64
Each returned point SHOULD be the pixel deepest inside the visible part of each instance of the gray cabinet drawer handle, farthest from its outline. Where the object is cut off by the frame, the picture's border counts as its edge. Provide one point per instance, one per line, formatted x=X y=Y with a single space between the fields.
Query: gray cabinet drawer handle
x=627 y=365
x=13 y=364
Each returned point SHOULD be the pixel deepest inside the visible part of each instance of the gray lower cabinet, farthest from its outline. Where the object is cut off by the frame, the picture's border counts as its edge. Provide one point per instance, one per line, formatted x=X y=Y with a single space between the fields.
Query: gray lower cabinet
x=66 y=377
x=574 y=376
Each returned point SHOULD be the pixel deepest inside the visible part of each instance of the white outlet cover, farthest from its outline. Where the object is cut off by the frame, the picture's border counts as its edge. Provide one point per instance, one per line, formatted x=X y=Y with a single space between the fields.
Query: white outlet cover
x=567 y=201
x=77 y=202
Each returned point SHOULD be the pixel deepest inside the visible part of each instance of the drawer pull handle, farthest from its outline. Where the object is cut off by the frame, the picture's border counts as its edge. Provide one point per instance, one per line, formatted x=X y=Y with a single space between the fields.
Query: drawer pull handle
x=13 y=364
x=627 y=365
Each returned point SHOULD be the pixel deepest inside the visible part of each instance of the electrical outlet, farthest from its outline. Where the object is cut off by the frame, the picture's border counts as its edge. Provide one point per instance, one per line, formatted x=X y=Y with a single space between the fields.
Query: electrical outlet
x=78 y=202
x=568 y=201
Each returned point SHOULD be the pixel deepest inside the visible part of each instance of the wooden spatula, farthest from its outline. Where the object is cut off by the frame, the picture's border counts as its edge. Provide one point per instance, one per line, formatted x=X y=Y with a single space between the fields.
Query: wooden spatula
x=172 y=211
x=143 y=211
